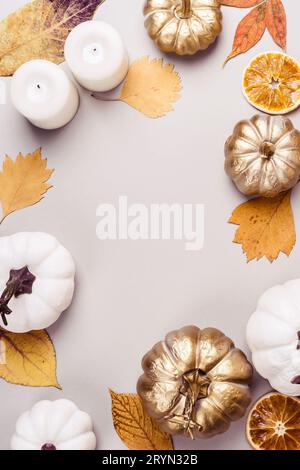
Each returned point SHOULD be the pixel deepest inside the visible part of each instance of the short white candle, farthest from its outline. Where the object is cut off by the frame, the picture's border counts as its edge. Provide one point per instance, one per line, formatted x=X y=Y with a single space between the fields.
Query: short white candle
x=43 y=93
x=96 y=55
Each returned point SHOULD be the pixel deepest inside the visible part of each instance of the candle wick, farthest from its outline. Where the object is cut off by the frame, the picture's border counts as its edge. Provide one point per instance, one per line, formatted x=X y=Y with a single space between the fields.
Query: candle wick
x=39 y=87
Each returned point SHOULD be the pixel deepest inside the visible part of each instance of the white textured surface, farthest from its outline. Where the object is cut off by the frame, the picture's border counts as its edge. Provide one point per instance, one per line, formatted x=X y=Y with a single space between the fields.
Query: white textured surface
x=130 y=293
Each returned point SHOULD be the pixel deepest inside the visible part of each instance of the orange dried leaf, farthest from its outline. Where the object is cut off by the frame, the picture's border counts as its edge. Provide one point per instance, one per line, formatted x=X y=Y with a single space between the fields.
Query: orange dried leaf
x=249 y=31
x=266 y=227
x=241 y=3
x=276 y=22
x=267 y=14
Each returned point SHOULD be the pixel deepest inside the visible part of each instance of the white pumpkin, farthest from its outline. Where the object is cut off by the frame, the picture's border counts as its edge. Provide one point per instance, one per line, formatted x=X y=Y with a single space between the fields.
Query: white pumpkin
x=54 y=425
x=36 y=281
x=273 y=335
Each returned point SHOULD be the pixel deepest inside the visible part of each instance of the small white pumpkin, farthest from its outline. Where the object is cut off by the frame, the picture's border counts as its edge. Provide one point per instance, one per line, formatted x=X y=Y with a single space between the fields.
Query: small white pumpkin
x=273 y=335
x=54 y=425
x=36 y=281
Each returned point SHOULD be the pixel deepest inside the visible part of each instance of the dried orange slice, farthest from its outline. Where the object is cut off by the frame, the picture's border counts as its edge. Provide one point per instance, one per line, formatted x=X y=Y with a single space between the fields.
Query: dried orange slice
x=271 y=83
x=274 y=423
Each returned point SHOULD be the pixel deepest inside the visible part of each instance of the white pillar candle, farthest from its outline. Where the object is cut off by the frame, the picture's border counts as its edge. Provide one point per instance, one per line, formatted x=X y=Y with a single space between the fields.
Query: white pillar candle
x=43 y=93
x=96 y=55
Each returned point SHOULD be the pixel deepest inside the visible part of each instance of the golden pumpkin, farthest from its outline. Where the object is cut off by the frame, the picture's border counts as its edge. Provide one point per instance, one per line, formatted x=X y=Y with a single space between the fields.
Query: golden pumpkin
x=262 y=156
x=183 y=26
x=195 y=382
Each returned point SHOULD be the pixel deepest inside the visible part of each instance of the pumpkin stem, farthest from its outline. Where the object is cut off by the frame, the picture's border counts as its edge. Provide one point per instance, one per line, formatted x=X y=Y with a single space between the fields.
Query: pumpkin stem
x=185 y=10
x=296 y=380
x=20 y=282
x=194 y=387
x=267 y=150
x=48 y=446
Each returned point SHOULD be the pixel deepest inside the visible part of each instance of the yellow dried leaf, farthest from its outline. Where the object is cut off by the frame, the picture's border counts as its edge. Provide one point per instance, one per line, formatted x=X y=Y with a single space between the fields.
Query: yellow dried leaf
x=136 y=429
x=266 y=227
x=28 y=359
x=151 y=87
x=23 y=182
x=39 y=29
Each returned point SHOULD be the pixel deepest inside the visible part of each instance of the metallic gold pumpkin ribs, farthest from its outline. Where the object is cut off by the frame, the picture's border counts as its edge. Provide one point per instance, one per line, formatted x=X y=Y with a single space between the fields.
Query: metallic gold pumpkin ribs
x=195 y=382
x=183 y=26
x=262 y=156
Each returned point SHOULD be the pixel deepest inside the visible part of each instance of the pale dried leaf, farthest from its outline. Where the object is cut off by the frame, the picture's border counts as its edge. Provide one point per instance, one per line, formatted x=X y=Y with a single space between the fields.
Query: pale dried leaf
x=28 y=359
x=151 y=87
x=23 y=182
x=39 y=29
x=266 y=227
x=136 y=429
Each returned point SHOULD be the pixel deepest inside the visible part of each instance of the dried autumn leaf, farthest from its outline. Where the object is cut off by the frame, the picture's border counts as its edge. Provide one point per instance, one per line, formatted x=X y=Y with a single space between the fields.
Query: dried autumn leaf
x=28 y=359
x=23 y=182
x=267 y=14
x=240 y=3
x=136 y=429
x=276 y=22
x=249 y=31
x=266 y=227
x=151 y=87
x=39 y=29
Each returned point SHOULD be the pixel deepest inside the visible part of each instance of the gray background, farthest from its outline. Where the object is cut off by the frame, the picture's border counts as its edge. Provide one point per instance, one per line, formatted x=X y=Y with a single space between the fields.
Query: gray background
x=131 y=293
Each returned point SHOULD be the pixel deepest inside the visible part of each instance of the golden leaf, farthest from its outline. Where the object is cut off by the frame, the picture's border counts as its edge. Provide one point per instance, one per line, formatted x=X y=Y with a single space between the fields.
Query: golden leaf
x=151 y=87
x=23 y=182
x=28 y=359
x=266 y=227
x=137 y=430
x=39 y=29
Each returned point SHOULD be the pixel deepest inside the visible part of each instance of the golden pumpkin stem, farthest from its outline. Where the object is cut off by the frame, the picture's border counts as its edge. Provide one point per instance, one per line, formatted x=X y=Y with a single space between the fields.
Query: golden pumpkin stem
x=194 y=387
x=185 y=10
